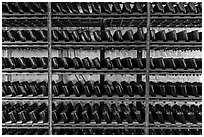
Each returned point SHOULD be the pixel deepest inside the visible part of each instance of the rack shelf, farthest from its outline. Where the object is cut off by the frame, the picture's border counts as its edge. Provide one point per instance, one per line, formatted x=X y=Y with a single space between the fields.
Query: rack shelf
x=176 y=16
x=24 y=28
x=154 y=15
x=95 y=127
x=180 y=98
x=28 y=46
x=25 y=43
x=23 y=125
x=171 y=46
x=24 y=18
x=102 y=124
x=98 y=16
x=176 y=21
x=100 y=46
x=23 y=15
x=97 y=22
x=106 y=46
x=172 y=43
x=177 y=125
x=176 y=71
x=72 y=97
x=82 y=71
x=20 y=98
x=98 y=98
x=24 y=70
x=100 y=43
x=100 y=71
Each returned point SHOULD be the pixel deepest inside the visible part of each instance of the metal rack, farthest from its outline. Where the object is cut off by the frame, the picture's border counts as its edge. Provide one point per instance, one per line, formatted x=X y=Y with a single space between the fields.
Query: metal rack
x=174 y=20
x=146 y=19
x=25 y=24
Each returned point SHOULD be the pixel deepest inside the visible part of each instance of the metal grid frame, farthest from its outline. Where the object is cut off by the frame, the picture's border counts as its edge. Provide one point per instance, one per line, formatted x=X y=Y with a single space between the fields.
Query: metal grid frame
x=149 y=45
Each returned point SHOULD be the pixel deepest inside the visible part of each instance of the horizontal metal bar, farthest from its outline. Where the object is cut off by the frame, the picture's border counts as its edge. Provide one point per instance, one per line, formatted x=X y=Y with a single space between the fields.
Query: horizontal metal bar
x=25 y=14
x=23 y=46
x=175 y=127
x=178 y=97
x=95 y=46
x=25 y=43
x=115 y=97
x=170 y=98
x=187 y=125
x=24 y=73
x=24 y=28
x=179 y=43
x=104 y=71
x=163 y=16
x=100 y=43
x=95 y=127
x=100 y=71
x=89 y=46
x=102 y=124
x=99 y=46
x=178 y=15
x=99 y=18
x=176 y=71
x=28 y=124
x=24 y=18
x=83 y=70
x=98 y=98
x=158 y=47
x=100 y=15
x=25 y=70
x=26 y=127
x=39 y=98
x=106 y=45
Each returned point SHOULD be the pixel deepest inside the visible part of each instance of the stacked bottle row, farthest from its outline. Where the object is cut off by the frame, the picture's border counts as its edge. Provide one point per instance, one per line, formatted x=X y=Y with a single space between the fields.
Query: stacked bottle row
x=185 y=89
x=24 y=7
x=102 y=112
x=77 y=63
x=127 y=8
x=175 y=131
x=26 y=112
x=102 y=132
x=175 y=114
x=74 y=113
x=24 y=35
x=127 y=132
x=98 y=112
x=98 y=132
x=24 y=131
x=74 y=132
x=99 y=36
x=22 y=23
x=104 y=8
x=176 y=8
x=98 y=8
x=94 y=88
x=24 y=88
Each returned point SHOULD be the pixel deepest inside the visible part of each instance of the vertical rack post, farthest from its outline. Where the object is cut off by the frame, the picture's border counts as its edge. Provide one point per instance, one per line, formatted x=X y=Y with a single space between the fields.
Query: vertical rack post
x=102 y=52
x=49 y=38
x=147 y=71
